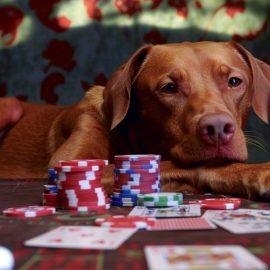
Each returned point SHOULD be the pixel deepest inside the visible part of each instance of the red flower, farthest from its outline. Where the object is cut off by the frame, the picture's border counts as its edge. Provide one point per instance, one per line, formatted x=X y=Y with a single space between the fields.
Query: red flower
x=44 y=9
x=93 y=11
x=10 y=19
x=180 y=6
x=154 y=37
x=48 y=86
x=60 y=54
x=128 y=7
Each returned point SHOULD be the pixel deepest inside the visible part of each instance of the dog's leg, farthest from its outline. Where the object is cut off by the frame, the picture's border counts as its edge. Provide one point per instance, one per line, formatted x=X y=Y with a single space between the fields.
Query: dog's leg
x=88 y=139
x=247 y=180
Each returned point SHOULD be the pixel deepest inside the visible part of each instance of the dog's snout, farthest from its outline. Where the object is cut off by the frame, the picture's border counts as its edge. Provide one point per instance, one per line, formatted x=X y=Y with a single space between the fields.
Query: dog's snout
x=216 y=129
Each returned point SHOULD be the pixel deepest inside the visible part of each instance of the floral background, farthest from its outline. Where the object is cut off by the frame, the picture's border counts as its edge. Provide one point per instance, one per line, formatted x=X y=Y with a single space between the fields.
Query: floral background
x=51 y=51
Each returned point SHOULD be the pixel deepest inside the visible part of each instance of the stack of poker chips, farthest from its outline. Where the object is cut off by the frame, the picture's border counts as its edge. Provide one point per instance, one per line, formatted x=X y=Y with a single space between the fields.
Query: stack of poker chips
x=163 y=199
x=79 y=185
x=133 y=175
x=50 y=191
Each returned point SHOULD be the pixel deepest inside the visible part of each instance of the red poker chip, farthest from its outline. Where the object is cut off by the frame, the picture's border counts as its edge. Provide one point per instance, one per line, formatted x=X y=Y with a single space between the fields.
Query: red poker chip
x=83 y=162
x=219 y=203
x=84 y=203
x=83 y=197
x=48 y=197
x=97 y=190
x=121 y=221
x=137 y=171
x=128 y=177
x=132 y=166
x=136 y=182
x=137 y=157
x=89 y=192
x=29 y=211
x=72 y=169
x=80 y=176
x=79 y=185
x=136 y=191
x=100 y=209
x=151 y=186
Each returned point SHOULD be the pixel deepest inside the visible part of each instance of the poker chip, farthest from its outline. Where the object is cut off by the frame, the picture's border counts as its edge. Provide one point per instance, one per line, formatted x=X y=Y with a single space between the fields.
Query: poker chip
x=29 y=211
x=137 y=171
x=90 y=208
x=124 y=200
x=159 y=204
x=137 y=157
x=83 y=162
x=84 y=175
x=78 y=185
x=138 y=166
x=78 y=168
x=161 y=197
x=121 y=221
x=133 y=175
x=219 y=203
x=121 y=195
x=123 y=204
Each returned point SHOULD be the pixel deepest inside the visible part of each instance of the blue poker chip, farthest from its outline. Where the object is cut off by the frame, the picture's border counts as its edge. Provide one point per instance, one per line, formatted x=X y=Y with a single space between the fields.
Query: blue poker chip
x=136 y=171
x=123 y=200
x=129 y=204
x=143 y=166
x=52 y=171
x=121 y=195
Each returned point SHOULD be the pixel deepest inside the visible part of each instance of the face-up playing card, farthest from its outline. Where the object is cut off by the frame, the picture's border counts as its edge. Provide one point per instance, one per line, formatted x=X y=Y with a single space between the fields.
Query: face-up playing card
x=193 y=210
x=171 y=224
x=201 y=257
x=241 y=220
x=91 y=237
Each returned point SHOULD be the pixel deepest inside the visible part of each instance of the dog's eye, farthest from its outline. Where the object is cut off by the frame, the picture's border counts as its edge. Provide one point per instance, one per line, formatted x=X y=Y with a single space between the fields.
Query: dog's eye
x=234 y=82
x=169 y=88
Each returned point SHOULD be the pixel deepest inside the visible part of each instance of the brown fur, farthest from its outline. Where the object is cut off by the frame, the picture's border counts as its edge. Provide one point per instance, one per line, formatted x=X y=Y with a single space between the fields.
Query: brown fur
x=133 y=114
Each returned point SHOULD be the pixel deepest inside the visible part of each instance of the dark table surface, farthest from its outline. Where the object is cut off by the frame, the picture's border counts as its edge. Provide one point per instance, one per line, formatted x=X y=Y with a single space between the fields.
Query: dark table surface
x=130 y=255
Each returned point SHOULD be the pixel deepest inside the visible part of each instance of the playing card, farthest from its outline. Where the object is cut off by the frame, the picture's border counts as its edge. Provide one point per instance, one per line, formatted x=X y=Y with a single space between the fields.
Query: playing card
x=91 y=237
x=241 y=220
x=201 y=257
x=193 y=210
x=171 y=224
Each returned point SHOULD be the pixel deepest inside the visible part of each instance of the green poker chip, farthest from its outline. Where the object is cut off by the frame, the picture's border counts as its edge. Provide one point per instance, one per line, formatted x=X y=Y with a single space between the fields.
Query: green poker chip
x=162 y=197
x=159 y=204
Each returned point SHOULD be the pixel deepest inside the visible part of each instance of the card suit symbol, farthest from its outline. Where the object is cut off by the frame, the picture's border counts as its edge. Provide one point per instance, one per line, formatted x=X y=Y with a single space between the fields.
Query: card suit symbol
x=56 y=240
x=87 y=234
x=100 y=242
x=114 y=230
x=74 y=229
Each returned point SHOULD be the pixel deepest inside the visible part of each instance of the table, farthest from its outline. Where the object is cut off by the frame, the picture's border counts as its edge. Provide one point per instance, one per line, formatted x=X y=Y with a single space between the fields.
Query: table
x=14 y=231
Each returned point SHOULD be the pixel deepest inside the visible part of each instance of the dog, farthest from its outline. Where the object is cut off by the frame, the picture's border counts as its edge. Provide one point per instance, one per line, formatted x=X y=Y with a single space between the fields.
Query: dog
x=188 y=102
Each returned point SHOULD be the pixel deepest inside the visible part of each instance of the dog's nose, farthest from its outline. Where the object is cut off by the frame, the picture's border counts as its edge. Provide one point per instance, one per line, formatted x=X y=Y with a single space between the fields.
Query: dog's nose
x=216 y=128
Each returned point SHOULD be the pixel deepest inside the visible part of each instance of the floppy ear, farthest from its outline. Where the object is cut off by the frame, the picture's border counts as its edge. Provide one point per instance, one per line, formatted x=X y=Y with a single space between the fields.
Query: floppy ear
x=117 y=93
x=261 y=81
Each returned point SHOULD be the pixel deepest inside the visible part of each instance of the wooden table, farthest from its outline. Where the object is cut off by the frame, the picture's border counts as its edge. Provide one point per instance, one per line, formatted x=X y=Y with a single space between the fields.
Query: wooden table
x=14 y=231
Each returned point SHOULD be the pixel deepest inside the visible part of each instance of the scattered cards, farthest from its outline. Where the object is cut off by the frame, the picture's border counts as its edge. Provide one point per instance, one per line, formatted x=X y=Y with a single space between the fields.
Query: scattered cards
x=171 y=224
x=241 y=220
x=201 y=257
x=193 y=210
x=91 y=237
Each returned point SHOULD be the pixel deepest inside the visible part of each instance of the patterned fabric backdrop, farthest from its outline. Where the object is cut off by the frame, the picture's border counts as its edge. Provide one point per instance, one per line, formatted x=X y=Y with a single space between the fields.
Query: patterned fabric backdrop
x=51 y=51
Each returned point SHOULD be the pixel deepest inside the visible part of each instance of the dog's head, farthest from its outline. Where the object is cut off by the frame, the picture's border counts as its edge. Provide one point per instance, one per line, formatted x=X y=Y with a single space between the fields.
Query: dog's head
x=188 y=101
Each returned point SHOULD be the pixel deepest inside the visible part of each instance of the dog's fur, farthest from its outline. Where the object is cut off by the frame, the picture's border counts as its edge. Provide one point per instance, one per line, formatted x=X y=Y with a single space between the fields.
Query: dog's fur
x=135 y=113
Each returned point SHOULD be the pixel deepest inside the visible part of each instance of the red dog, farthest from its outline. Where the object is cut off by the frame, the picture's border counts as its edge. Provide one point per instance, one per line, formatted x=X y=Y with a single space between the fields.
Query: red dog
x=187 y=102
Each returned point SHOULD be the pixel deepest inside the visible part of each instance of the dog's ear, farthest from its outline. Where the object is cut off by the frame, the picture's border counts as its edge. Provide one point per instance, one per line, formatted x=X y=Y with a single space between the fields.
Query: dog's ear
x=260 y=78
x=117 y=93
